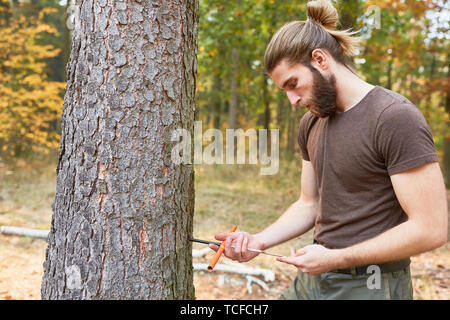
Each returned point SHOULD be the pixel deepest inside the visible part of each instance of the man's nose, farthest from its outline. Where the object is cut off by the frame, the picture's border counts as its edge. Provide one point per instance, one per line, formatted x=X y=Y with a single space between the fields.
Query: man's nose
x=293 y=97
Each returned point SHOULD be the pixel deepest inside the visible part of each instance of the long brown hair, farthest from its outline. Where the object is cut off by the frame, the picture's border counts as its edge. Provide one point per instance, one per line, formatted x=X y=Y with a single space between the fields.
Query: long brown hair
x=296 y=40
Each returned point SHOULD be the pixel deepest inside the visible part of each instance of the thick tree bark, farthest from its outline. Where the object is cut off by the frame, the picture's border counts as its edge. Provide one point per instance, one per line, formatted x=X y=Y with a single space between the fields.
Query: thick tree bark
x=123 y=210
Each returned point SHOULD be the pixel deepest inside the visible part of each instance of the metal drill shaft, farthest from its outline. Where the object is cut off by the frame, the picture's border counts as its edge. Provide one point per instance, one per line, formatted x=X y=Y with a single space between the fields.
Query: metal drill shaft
x=218 y=244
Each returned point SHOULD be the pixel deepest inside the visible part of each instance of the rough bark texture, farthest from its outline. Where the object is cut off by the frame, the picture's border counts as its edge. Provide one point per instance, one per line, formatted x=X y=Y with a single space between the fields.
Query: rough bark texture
x=123 y=211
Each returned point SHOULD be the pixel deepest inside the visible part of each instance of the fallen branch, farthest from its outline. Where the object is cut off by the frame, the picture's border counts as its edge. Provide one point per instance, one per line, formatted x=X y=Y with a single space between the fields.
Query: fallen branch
x=34 y=233
x=201 y=253
x=267 y=274
x=251 y=279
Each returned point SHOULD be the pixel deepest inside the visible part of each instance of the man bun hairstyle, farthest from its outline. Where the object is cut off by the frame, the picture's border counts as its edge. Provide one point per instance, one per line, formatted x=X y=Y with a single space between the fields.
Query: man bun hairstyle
x=296 y=40
x=323 y=13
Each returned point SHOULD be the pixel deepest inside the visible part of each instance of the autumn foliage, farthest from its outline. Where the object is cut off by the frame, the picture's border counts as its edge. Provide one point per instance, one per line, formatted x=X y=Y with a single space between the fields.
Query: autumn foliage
x=406 y=49
x=30 y=103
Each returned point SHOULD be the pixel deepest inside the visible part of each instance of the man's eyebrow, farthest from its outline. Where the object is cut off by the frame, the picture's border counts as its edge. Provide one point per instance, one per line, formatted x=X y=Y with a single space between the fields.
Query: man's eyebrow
x=286 y=82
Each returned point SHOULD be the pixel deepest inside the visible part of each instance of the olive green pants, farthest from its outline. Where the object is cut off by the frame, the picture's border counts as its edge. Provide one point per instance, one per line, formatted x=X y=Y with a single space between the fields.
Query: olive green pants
x=332 y=285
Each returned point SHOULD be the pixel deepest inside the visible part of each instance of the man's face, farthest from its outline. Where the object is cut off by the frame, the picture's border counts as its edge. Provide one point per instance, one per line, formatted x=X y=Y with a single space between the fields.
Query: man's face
x=307 y=88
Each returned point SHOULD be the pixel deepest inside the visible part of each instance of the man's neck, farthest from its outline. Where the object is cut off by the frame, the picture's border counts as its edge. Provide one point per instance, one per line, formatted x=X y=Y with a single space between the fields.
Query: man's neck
x=350 y=89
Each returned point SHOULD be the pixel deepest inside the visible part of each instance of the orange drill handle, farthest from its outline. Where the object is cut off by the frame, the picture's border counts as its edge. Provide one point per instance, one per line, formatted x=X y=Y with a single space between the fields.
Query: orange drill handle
x=219 y=252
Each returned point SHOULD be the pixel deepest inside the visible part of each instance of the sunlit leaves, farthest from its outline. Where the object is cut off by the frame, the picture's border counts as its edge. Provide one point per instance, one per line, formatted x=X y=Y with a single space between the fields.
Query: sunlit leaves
x=30 y=104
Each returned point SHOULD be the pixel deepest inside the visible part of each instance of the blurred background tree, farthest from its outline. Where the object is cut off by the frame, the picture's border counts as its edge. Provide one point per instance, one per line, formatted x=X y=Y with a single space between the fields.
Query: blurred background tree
x=405 y=49
x=31 y=85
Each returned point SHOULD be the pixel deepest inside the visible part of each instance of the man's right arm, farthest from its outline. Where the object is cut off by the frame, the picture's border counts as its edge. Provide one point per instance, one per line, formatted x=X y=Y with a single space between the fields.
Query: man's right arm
x=296 y=220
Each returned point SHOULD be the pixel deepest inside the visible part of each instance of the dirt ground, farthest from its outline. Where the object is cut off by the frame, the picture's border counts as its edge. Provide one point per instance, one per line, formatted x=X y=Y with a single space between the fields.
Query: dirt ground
x=22 y=258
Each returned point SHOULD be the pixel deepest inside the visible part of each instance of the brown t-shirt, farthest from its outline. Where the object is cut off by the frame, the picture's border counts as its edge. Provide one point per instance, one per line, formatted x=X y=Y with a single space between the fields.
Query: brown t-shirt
x=354 y=153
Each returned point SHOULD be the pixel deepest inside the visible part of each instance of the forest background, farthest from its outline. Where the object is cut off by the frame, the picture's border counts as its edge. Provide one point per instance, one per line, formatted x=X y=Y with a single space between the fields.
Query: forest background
x=406 y=49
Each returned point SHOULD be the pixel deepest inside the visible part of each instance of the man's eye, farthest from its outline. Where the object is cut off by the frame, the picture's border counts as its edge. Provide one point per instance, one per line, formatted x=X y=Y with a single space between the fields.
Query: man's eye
x=292 y=85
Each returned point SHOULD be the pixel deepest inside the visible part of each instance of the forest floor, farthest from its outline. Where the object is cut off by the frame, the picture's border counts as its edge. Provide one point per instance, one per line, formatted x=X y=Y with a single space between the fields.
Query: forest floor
x=224 y=195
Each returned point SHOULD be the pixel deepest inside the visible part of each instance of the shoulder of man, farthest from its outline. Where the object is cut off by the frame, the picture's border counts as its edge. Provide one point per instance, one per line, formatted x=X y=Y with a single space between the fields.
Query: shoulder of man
x=393 y=96
x=388 y=101
x=306 y=123
x=402 y=136
x=392 y=106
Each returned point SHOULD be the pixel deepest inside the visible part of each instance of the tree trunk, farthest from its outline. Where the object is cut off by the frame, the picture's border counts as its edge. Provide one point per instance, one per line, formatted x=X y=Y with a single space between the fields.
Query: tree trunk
x=292 y=134
x=427 y=108
x=217 y=102
x=266 y=101
x=67 y=39
x=234 y=100
x=389 y=75
x=123 y=210
x=281 y=116
x=446 y=157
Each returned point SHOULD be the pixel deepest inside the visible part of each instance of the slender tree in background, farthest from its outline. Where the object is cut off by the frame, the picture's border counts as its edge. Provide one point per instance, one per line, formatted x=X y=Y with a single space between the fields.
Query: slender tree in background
x=123 y=211
x=446 y=159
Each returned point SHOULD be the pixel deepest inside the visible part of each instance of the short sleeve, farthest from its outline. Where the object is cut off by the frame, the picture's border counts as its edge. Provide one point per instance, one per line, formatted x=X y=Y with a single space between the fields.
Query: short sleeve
x=303 y=137
x=403 y=138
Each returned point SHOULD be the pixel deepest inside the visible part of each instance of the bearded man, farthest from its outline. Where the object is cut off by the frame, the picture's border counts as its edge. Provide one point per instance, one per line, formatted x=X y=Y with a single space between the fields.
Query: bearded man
x=371 y=184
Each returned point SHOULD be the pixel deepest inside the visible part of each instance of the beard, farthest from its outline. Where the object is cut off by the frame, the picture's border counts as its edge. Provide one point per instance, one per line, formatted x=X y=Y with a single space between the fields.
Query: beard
x=323 y=101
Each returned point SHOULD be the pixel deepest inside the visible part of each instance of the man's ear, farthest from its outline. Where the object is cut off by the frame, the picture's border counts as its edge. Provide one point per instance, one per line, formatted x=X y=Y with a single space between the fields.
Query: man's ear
x=320 y=59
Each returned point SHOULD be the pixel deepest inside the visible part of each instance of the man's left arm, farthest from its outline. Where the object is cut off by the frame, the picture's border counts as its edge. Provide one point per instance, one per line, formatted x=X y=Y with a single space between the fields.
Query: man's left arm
x=421 y=193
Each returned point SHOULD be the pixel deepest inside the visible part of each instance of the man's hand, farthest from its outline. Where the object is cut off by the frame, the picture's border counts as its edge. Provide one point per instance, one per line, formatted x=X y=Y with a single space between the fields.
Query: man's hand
x=313 y=259
x=236 y=245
